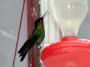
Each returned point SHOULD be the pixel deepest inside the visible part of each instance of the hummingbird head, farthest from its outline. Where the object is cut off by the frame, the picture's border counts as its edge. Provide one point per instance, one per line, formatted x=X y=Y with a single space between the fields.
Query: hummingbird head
x=40 y=20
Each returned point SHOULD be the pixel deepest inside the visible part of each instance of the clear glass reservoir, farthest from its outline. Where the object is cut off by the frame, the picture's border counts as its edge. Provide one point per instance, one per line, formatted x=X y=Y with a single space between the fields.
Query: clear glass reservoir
x=69 y=14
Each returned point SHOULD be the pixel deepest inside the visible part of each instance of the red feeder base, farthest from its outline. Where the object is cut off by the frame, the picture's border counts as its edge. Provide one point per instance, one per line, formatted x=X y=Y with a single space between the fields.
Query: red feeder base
x=70 y=52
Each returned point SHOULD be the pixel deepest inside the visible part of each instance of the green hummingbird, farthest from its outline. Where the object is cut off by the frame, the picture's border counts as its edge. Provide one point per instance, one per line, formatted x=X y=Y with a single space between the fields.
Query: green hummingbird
x=36 y=37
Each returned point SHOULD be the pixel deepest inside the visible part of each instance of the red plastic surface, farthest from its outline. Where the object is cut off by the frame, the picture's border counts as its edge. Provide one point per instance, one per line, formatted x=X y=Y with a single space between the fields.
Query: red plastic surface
x=69 y=52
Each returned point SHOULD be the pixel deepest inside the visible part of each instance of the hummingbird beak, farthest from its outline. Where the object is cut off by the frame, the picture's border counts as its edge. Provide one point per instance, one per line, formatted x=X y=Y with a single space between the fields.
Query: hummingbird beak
x=46 y=13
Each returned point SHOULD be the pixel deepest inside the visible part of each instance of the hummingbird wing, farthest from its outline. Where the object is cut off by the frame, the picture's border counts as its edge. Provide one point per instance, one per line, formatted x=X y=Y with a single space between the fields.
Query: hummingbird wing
x=29 y=43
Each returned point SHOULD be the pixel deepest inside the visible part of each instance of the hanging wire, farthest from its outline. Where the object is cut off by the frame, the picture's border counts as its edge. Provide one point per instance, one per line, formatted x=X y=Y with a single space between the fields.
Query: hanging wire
x=13 y=64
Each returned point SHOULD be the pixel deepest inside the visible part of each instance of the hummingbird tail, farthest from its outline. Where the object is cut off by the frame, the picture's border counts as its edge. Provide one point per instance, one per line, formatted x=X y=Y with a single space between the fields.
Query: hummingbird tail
x=26 y=47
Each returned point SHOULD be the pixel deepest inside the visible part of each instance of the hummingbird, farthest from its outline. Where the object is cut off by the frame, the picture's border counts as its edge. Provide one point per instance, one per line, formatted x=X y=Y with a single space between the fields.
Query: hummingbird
x=36 y=37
